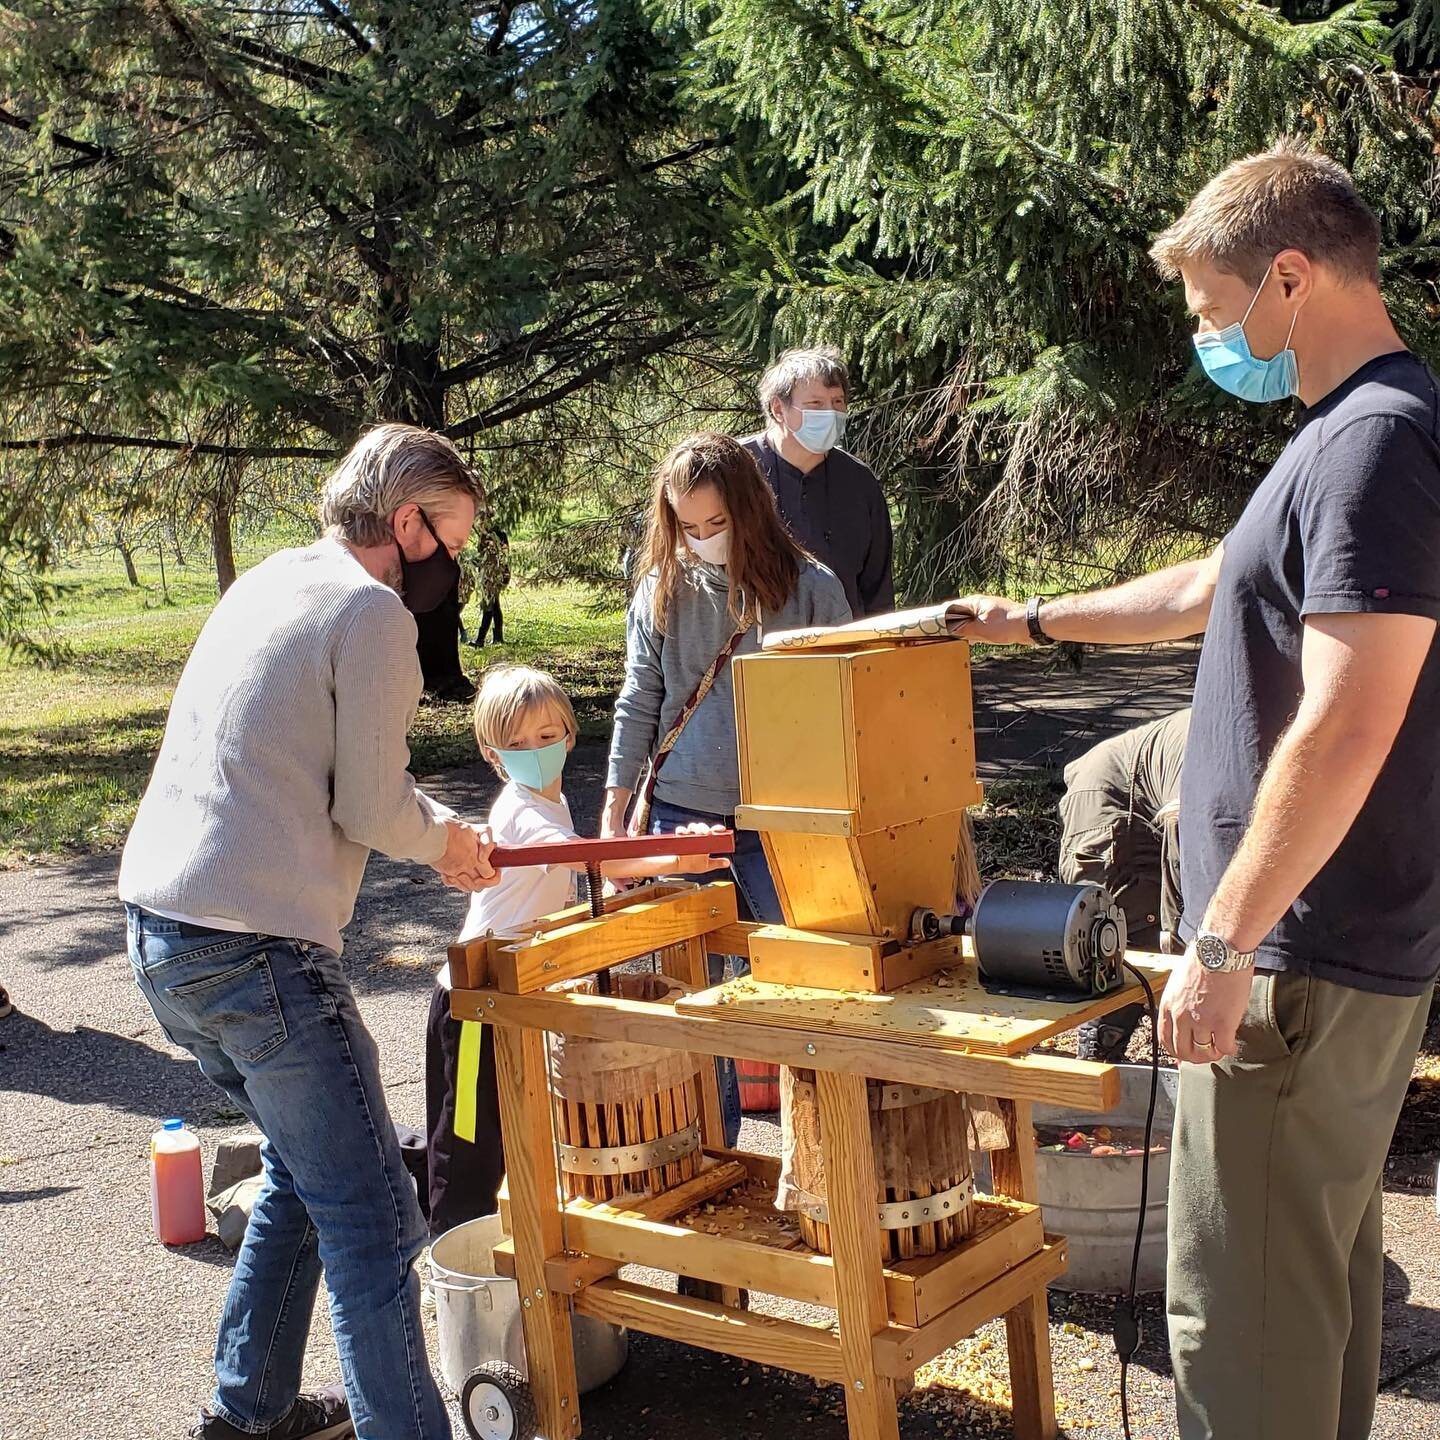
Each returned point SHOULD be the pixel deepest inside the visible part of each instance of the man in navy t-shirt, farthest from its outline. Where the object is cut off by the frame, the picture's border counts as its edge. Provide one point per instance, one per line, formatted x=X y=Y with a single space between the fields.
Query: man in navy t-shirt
x=1309 y=806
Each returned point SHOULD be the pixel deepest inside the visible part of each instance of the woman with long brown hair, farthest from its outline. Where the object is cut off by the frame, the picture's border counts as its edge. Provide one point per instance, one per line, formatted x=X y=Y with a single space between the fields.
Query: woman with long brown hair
x=717 y=570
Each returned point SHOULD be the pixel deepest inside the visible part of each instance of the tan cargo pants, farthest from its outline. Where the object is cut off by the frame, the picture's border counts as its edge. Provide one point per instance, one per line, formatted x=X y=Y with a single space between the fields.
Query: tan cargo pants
x=1276 y=1256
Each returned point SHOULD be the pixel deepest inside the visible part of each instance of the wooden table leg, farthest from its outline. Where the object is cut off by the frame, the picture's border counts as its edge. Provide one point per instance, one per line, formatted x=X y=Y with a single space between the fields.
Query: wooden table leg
x=1027 y=1326
x=690 y=961
x=535 y=1220
x=855 y=1243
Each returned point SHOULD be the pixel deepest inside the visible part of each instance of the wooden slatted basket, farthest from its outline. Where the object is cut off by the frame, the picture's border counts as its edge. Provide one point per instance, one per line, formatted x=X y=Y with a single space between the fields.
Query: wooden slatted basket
x=627 y=1116
x=925 y=1188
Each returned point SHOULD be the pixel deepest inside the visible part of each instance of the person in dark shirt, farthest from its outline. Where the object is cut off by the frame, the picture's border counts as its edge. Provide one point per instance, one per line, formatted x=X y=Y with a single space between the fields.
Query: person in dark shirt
x=831 y=502
x=1119 y=821
x=1309 y=805
x=437 y=643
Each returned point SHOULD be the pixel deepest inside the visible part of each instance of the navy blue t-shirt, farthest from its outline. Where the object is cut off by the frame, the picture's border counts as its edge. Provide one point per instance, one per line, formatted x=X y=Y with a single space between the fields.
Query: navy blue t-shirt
x=1347 y=520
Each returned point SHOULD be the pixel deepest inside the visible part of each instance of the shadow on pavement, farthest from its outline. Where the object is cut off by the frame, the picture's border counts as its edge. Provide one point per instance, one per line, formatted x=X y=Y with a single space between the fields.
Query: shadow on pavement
x=85 y=910
x=1034 y=712
x=1411 y=1336
x=1096 y=1314
x=85 y=1066
x=668 y=1390
x=41 y=1192
x=209 y=1251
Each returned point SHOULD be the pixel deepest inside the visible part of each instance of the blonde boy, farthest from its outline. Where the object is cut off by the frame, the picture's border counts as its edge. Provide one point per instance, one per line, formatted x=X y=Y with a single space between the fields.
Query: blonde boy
x=525 y=726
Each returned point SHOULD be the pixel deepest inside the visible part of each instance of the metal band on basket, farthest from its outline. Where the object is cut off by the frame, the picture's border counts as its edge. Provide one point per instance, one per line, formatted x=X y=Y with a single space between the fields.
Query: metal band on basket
x=891 y=1096
x=902 y=1214
x=621 y=1159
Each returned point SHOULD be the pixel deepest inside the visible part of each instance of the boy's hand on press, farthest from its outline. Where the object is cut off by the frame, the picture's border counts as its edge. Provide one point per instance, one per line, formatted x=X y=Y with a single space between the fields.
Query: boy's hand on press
x=699 y=864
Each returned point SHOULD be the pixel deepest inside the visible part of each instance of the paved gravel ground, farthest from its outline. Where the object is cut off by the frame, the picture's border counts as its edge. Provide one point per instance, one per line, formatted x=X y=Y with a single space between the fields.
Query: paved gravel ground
x=105 y=1335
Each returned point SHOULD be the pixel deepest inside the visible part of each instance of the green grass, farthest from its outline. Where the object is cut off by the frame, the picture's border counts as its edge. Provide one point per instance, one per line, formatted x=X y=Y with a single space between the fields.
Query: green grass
x=77 y=738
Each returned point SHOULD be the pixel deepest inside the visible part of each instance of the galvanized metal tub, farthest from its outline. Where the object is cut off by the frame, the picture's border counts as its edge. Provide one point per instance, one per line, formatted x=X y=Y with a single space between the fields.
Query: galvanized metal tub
x=477 y=1312
x=1095 y=1200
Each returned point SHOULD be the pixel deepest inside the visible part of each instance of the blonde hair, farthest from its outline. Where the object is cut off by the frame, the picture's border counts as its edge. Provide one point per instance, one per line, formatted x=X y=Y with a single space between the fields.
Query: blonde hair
x=390 y=466
x=1287 y=198
x=507 y=694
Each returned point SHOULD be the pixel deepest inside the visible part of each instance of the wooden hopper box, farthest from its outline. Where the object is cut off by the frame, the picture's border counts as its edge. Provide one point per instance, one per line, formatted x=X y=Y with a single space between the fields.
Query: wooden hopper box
x=857 y=768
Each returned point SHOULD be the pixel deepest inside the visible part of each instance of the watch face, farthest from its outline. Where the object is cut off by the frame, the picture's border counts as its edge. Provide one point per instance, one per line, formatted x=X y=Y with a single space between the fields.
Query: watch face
x=1211 y=951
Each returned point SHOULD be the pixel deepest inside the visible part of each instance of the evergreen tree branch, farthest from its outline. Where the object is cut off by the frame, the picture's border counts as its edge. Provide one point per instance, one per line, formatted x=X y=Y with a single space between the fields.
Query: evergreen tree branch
x=245 y=110
x=507 y=409
x=504 y=12
x=94 y=154
x=678 y=157
x=346 y=25
x=317 y=79
x=75 y=438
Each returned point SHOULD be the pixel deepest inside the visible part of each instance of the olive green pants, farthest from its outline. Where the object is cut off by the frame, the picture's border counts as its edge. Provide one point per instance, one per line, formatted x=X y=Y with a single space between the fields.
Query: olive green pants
x=1276 y=1255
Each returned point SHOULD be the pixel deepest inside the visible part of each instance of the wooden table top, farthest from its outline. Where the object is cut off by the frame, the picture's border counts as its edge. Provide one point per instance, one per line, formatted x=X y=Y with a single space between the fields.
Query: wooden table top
x=951 y=1009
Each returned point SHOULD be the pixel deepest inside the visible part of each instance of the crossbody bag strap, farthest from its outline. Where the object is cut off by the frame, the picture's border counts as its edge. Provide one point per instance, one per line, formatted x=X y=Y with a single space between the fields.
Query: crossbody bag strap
x=640 y=820
x=707 y=683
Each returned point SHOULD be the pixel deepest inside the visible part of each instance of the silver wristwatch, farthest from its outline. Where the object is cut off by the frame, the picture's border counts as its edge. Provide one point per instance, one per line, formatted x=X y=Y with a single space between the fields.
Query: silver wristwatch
x=1216 y=954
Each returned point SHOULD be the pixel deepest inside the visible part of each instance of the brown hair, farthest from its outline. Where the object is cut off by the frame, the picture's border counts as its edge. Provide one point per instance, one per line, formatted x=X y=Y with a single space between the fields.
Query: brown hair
x=507 y=694
x=390 y=466
x=765 y=562
x=1287 y=198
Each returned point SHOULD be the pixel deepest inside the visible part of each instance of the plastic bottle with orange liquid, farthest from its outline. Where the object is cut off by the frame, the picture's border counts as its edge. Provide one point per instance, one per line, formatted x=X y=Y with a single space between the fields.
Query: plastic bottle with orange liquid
x=177 y=1187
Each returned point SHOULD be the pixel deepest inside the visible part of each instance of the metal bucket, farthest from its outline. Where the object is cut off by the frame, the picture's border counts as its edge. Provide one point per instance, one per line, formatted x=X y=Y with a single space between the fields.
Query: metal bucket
x=477 y=1312
x=1094 y=1201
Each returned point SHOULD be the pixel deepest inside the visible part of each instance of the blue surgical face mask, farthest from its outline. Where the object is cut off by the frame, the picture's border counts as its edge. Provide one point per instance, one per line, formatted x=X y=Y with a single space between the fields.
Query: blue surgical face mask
x=536 y=769
x=1225 y=357
x=820 y=431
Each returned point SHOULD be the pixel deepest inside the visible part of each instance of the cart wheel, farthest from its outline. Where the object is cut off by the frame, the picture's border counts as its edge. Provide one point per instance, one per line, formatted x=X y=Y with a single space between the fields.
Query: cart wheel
x=496 y=1403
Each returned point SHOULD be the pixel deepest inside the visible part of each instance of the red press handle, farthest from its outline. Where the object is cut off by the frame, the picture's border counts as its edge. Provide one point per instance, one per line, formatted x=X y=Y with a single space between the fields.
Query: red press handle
x=593 y=852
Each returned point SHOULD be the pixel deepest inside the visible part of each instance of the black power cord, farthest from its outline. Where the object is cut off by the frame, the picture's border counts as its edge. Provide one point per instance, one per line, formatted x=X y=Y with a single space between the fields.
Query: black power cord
x=1127 y=1314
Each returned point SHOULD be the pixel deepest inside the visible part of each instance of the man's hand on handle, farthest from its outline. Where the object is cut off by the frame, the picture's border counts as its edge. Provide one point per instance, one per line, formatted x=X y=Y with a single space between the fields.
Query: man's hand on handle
x=465 y=865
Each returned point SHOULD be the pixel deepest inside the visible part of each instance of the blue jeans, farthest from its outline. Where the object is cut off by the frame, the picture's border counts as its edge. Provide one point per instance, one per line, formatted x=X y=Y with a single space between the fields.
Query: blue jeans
x=755 y=890
x=274 y=1024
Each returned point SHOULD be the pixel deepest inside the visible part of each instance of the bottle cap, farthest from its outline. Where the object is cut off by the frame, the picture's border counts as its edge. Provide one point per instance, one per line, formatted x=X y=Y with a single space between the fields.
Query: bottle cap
x=175 y=1124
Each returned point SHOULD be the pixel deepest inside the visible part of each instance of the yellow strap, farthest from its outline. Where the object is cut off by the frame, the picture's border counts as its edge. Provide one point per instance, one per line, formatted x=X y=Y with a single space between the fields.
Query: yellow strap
x=467 y=1078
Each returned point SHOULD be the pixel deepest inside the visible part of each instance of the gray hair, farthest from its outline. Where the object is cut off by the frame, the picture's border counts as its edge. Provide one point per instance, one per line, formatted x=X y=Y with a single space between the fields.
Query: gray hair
x=387 y=467
x=797 y=367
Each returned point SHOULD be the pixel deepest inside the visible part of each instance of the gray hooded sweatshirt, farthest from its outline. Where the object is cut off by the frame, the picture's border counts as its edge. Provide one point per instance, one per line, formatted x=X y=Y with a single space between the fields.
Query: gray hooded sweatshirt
x=702 y=772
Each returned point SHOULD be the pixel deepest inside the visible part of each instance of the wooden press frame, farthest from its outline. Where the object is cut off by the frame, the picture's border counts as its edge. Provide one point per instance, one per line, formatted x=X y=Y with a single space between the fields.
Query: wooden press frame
x=938 y=1302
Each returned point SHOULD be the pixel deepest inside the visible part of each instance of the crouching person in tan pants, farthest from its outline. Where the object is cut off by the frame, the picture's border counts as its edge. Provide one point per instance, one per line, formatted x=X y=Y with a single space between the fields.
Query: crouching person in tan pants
x=1310 y=797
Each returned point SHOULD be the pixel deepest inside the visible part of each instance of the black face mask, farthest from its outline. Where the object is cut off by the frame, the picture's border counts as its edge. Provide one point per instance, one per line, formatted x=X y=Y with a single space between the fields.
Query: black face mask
x=424 y=584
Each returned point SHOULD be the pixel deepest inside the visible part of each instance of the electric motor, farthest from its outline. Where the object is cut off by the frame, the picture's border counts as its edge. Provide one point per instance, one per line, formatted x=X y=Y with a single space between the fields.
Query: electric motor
x=1036 y=936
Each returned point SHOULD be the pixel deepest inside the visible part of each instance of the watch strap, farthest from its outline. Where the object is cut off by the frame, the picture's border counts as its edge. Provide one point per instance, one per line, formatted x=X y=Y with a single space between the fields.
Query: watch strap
x=1032 y=621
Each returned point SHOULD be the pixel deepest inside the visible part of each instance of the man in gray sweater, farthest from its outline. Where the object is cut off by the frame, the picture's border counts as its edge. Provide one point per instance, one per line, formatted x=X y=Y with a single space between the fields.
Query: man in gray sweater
x=283 y=765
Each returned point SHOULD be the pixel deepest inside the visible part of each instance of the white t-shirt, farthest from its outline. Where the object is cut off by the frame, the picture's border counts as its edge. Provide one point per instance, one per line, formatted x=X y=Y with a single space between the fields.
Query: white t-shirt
x=526 y=892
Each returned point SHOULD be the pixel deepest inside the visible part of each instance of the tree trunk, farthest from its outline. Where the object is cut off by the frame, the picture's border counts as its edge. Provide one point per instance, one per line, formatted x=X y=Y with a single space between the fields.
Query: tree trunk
x=222 y=541
x=128 y=557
